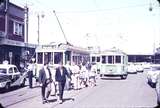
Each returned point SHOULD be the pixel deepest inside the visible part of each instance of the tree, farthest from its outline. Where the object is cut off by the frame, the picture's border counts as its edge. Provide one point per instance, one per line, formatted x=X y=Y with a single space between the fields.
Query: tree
x=158 y=1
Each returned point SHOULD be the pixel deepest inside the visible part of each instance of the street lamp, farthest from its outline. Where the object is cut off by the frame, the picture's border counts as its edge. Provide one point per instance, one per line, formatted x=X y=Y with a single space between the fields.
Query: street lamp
x=38 y=16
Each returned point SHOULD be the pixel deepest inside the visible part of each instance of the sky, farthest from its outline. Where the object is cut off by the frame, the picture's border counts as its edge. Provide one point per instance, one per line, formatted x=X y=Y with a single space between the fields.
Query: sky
x=125 y=24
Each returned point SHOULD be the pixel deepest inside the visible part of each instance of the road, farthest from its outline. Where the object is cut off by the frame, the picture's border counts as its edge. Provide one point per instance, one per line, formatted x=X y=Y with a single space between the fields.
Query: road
x=133 y=92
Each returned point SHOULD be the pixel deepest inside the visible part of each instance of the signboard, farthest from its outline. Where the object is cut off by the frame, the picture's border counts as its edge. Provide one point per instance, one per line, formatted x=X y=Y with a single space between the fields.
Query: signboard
x=10 y=54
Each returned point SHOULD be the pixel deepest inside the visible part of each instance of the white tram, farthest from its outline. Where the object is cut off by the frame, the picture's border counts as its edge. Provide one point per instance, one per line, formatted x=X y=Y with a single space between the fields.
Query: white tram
x=95 y=59
x=54 y=53
x=113 y=63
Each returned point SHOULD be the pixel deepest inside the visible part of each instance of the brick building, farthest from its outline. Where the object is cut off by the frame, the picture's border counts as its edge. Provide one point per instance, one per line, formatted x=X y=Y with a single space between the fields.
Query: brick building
x=12 y=34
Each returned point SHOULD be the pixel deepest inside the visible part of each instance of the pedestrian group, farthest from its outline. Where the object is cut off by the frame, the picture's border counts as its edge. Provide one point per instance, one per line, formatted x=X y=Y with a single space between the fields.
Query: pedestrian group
x=62 y=77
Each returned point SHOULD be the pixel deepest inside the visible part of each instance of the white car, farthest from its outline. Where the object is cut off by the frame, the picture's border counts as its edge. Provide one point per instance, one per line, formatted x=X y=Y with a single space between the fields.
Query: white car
x=10 y=76
x=152 y=75
x=139 y=68
x=131 y=69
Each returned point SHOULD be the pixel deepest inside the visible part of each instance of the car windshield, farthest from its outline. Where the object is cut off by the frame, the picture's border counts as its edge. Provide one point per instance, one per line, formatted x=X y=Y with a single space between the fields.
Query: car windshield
x=2 y=70
x=155 y=68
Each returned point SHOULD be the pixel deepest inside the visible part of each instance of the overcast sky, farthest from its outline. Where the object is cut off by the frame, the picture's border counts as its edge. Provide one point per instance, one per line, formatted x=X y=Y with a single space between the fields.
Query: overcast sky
x=125 y=24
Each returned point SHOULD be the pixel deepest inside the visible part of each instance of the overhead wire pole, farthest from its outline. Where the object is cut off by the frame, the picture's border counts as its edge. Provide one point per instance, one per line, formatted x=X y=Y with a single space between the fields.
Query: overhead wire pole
x=60 y=27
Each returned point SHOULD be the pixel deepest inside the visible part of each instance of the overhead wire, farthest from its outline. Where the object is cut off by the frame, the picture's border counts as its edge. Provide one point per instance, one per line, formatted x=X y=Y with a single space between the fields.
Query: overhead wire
x=103 y=10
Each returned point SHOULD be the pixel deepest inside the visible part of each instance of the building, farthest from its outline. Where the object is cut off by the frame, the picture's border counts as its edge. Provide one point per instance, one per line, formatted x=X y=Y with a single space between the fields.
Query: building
x=13 y=47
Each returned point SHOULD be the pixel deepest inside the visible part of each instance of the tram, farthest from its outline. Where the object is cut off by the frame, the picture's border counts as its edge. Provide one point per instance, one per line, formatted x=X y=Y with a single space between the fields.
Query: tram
x=54 y=53
x=113 y=63
x=95 y=59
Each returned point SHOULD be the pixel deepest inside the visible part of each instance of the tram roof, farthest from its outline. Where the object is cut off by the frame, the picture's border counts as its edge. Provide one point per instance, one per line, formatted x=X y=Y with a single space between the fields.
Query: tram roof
x=113 y=51
x=60 y=47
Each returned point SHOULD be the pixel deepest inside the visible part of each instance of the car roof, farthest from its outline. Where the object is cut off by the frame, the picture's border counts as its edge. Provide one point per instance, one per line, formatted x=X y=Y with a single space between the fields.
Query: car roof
x=6 y=65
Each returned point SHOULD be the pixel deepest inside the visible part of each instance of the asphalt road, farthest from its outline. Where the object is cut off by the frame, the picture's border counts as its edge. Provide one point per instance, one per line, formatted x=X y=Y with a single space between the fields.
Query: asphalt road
x=134 y=92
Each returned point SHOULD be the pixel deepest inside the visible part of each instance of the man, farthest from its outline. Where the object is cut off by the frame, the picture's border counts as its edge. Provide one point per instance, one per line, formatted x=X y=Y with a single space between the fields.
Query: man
x=75 y=76
x=68 y=82
x=30 y=73
x=60 y=77
x=45 y=82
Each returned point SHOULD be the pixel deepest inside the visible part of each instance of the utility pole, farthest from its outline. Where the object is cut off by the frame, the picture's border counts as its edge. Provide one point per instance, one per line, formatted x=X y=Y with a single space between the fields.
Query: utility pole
x=6 y=17
x=26 y=23
x=38 y=31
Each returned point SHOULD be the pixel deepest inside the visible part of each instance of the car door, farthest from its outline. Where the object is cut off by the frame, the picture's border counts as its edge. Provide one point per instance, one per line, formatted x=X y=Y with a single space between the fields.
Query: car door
x=16 y=73
x=10 y=74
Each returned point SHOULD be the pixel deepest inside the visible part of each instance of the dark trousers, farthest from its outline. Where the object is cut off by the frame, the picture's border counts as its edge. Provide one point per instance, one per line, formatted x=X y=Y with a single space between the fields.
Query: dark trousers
x=30 y=76
x=61 y=86
x=45 y=94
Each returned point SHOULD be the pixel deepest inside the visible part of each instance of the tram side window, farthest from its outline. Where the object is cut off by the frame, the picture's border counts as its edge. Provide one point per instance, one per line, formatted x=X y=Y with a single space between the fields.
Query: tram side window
x=118 y=59
x=93 y=59
x=40 y=58
x=103 y=59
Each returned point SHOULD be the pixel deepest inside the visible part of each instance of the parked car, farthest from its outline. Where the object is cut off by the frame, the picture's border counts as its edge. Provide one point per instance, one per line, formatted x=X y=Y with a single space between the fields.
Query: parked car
x=131 y=69
x=158 y=89
x=139 y=68
x=4 y=81
x=10 y=76
x=152 y=75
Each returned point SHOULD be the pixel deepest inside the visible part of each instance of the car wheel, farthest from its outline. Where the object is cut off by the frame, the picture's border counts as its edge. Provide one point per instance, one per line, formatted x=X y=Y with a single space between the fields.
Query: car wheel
x=7 y=86
x=123 y=76
x=153 y=85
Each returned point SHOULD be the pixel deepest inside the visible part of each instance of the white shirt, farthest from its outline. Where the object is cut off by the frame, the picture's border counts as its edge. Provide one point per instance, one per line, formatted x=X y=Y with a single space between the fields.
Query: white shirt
x=75 y=69
x=61 y=70
x=47 y=72
x=30 y=67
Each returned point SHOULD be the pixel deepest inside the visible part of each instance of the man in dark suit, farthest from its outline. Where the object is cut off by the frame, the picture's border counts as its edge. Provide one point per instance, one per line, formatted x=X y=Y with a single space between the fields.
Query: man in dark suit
x=45 y=82
x=60 y=77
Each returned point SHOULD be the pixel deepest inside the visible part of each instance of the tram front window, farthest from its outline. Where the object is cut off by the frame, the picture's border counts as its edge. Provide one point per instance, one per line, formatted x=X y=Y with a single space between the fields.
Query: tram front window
x=40 y=58
x=118 y=59
x=47 y=56
x=110 y=59
x=103 y=59
x=93 y=59
x=98 y=59
x=58 y=56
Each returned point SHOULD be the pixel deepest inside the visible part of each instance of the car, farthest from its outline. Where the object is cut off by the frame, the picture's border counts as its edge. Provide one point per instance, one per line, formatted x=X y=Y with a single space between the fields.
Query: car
x=139 y=68
x=158 y=89
x=4 y=81
x=152 y=75
x=131 y=69
x=10 y=76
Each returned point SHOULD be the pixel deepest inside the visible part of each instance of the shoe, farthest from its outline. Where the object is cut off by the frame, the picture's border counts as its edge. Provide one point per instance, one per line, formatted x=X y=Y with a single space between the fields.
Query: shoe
x=45 y=101
x=60 y=102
